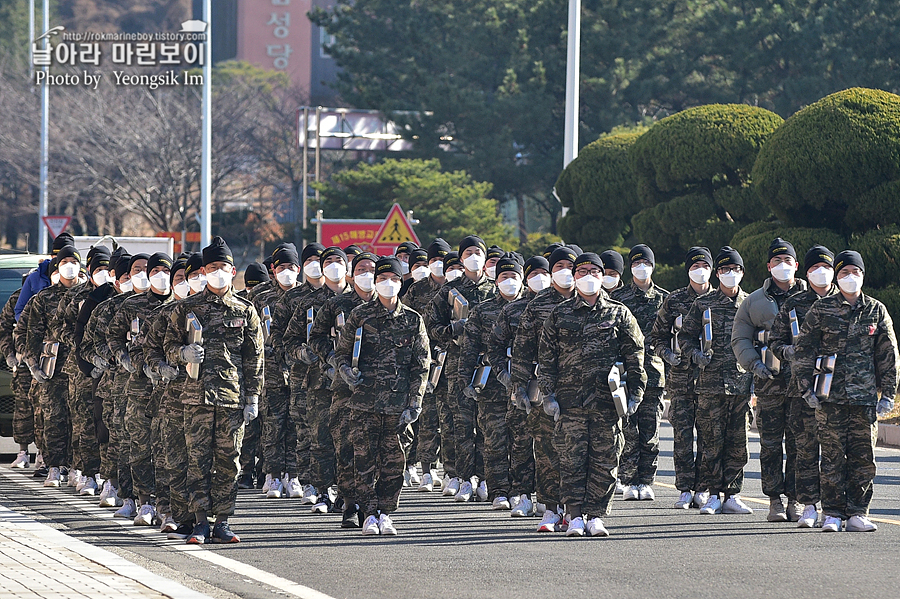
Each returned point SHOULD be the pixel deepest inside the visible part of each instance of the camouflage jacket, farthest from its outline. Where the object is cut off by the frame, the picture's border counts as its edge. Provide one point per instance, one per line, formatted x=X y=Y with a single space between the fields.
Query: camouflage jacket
x=263 y=287
x=232 y=367
x=580 y=344
x=479 y=328
x=42 y=325
x=504 y=331
x=393 y=360
x=8 y=325
x=20 y=333
x=283 y=312
x=440 y=310
x=295 y=335
x=120 y=338
x=645 y=308
x=528 y=334
x=277 y=370
x=863 y=338
x=154 y=354
x=680 y=378
x=420 y=294
x=325 y=332
x=723 y=375
x=67 y=319
x=781 y=329
x=94 y=342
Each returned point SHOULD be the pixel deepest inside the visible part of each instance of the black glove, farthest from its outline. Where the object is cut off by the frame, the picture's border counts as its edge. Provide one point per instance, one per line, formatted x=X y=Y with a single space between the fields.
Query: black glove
x=811 y=399
x=759 y=370
x=125 y=361
x=789 y=352
x=701 y=359
x=670 y=357
x=470 y=392
x=458 y=327
x=167 y=372
x=504 y=379
x=351 y=376
x=307 y=356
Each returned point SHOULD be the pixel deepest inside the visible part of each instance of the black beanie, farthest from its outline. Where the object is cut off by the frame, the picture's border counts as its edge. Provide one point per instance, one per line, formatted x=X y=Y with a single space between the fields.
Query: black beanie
x=137 y=257
x=614 y=260
x=193 y=264
x=360 y=257
x=352 y=250
x=438 y=249
x=388 y=264
x=267 y=261
x=508 y=263
x=285 y=254
x=780 y=247
x=122 y=265
x=61 y=241
x=418 y=255
x=332 y=251
x=67 y=251
x=589 y=258
x=817 y=254
x=548 y=251
x=451 y=259
x=101 y=257
x=254 y=274
x=177 y=265
x=728 y=255
x=495 y=251
x=217 y=251
x=534 y=263
x=406 y=247
x=311 y=250
x=561 y=253
x=575 y=248
x=471 y=241
x=159 y=259
x=697 y=254
x=848 y=258
x=641 y=252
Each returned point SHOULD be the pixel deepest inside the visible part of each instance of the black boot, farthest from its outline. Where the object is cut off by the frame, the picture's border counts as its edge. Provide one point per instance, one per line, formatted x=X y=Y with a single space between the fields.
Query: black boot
x=352 y=517
x=245 y=480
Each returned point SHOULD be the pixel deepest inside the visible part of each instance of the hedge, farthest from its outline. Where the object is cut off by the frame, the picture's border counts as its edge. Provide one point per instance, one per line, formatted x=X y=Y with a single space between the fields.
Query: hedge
x=880 y=250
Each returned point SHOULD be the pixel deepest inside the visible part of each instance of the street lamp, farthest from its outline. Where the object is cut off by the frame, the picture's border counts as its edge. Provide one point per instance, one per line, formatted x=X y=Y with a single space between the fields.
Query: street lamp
x=573 y=60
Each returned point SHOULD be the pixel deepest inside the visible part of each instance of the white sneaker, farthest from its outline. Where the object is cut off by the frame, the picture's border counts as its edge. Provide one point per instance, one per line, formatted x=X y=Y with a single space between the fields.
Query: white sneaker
x=684 y=500
x=500 y=503
x=860 y=524
x=327 y=501
x=406 y=482
x=831 y=524
x=481 y=491
x=576 y=527
x=127 y=510
x=631 y=493
x=39 y=461
x=386 y=525
x=267 y=485
x=645 y=493
x=414 y=479
x=74 y=478
x=292 y=488
x=713 y=505
x=734 y=505
x=465 y=493
x=112 y=498
x=438 y=483
x=427 y=484
x=700 y=499
x=22 y=461
x=168 y=525
x=548 y=522
x=809 y=517
x=620 y=488
x=595 y=528
x=445 y=482
x=452 y=487
x=310 y=495
x=145 y=515
x=275 y=489
x=523 y=507
x=104 y=492
x=89 y=487
x=370 y=526
x=539 y=508
x=52 y=478
x=80 y=483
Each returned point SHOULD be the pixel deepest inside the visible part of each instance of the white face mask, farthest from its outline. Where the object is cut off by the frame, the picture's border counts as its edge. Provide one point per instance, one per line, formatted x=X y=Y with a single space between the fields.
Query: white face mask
x=851 y=283
x=287 y=277
x=161 y=282
x=219 y=279
x=420 y=273
x=54 y=278
x=126 y=286
x=491 y=272
x=82 y=278
x=388 y=289
x=474 y=263
x=100 y=277
x=589 y=285
x=731 y=279
x=140 y=281
x=452 y=275
x=182 y=289
x=539 y=282
x=404 y=267
x=510 y=287
x=610 y=282
x=700 y=275
x=437 y=268
x=783 y=272
x=365 y=281
x=313 y=270
x=641 y=272
x=821 y=276
x=197 y=283
x=69 y=271
x=336 y=271
x=564 y=278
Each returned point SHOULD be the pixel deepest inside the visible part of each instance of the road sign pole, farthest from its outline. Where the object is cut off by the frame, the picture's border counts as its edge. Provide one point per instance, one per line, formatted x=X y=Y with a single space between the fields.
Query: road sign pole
x=45 y=140
x=206 y=134
x=573 y=68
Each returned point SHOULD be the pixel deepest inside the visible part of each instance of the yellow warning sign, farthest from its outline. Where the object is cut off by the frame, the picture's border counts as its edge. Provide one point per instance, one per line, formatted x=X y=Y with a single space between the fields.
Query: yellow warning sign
x=395 y=229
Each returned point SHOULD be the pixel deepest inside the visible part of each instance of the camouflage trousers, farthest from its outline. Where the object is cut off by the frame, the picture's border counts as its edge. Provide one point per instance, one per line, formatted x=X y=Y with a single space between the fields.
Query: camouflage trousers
x=444 y=432
x=773 y=414
x=467 y=438
x=24 y=413
x=492 y=408
x=641 y=454
x=589 y=441
x=428 y=436
x=378 y=461
x=682 y=417
x=847 y=435
x=176 y=456
x=521 y=453
x=123 y=445
x=251 y=449
x=213 y=437
x=321 y=449
x=301 y=442
x=546 y=458
x=109 y=451
x=139 y=431
x=723 y=421
x=53 y=396
x=85 y=448
x=279 y=435
x=341 y=424
x=804 y=429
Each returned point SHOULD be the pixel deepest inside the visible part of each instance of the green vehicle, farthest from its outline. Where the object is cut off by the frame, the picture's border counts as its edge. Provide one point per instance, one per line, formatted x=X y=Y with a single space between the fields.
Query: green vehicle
x=12 y=267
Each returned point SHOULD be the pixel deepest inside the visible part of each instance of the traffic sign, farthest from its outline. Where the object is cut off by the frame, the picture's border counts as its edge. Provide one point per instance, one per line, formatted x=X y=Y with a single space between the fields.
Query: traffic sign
x=56 y=224
x=395 y=230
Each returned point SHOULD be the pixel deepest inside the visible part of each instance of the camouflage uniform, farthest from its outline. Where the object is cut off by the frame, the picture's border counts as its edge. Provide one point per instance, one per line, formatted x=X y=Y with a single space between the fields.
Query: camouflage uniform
x=862 y=336
x=723 y=395
x=23 y=413
x=641 y=454
x=680 y=390
x=772 y=400
x=263 y=287
x=33 y=423
x=801 y=418
x=440 y=313
x=579 y=345
x=394 y=365
x=493 y=400
x=521 y=444
x=524 y=355
x=232 y=369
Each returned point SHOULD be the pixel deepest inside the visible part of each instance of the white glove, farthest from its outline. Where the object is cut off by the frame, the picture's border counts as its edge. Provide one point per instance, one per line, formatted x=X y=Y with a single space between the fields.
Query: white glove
x=251 y=410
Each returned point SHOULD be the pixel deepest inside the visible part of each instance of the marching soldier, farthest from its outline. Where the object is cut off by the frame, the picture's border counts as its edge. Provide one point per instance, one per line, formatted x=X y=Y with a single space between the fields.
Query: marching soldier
x=494 y=254
x=849 y=336
x=612 y=273
x=23 y=412
x=29 y=388
x=268 y=282
x=255 y=274
x=418 y=269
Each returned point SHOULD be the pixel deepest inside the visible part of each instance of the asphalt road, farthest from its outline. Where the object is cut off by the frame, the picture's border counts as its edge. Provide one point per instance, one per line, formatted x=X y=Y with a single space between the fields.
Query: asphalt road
x=454 y=551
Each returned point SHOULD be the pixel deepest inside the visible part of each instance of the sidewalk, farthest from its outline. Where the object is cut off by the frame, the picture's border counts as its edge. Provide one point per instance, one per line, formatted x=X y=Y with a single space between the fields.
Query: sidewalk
x=37 y=561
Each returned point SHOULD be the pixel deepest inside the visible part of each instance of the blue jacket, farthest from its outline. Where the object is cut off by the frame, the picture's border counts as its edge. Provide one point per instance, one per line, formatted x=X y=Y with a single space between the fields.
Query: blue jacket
x=33 y=283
